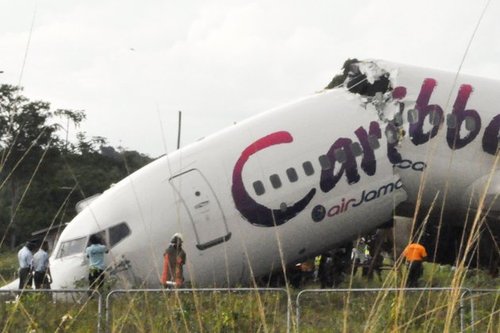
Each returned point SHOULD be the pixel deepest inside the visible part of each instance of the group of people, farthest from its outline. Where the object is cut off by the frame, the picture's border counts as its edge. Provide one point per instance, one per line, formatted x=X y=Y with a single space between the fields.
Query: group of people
x=34 y=266
x=174 y=259
x=332 y=267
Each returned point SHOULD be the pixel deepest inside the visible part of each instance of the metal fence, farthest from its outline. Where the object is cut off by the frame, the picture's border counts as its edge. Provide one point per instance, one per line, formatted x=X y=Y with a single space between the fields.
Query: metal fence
x=476 y=309
x=473 y=296
x=462 y=295
x=221 y=313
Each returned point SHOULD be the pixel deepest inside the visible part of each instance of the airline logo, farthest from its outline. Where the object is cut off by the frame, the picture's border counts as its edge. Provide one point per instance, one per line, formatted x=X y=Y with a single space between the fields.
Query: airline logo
x=319 y=212
x=261 y=215
x=254 y=212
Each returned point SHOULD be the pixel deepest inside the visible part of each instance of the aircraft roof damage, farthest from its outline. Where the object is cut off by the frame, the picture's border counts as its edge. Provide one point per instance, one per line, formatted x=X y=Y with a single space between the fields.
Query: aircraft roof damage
x=375 y=84
x=366 y=78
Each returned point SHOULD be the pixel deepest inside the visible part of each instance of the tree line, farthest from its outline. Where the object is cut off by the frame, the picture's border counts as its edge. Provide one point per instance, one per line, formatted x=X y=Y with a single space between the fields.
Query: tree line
x=43 y=175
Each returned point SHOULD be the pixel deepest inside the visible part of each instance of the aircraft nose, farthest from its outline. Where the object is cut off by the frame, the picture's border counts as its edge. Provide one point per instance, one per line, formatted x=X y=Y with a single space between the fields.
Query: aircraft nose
x=69 y=273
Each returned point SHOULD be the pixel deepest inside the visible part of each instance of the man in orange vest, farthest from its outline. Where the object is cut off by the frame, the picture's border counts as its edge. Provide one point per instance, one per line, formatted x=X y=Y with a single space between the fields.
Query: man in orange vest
x=173 y=260
x=414 y=253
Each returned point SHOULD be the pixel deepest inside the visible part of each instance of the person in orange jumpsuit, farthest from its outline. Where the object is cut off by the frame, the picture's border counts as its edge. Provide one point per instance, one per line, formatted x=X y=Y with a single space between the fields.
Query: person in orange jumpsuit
x=415 y=254
x=174 y=259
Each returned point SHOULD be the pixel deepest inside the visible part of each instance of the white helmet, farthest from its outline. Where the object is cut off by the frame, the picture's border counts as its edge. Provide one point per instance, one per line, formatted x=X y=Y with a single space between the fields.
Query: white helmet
x=176 y=237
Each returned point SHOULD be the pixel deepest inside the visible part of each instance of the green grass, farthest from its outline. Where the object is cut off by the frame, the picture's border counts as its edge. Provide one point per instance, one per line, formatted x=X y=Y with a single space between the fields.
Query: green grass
x=253 y=311
x=211 y=311
x=34 y=312
x=8 y=266
x=403 y=311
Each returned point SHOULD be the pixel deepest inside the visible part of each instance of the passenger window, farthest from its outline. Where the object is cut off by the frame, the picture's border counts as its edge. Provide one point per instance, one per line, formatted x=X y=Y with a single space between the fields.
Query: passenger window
x=398 y=119
x=391 y=135
x=373 y=141
x=324 y=161
x=117 y=233
x=275 y=181
x=292 y=175
x=356 y=149
x=451 y=120
x=340 y=155
x=470 y=124
x=308 y=168
x=434 y=118
x=71 y=247
x=412 y=116
x=258 y=187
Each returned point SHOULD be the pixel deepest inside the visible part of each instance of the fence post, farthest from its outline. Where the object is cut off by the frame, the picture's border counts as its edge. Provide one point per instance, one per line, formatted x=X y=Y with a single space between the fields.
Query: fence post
x=462 y=311
x=99 y=311
x=297 y=314
x=472 y=312
x=107 y=309
x=471 y=308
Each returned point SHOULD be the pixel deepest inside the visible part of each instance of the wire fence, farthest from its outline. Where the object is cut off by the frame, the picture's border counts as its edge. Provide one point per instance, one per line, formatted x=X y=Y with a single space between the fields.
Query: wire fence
x=198 y=310
x=377 y=309
x=484 y=309
x=251 y=310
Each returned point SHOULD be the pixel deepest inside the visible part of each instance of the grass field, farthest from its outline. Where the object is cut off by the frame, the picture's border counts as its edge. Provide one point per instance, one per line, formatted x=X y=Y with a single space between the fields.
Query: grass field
x=354 y=309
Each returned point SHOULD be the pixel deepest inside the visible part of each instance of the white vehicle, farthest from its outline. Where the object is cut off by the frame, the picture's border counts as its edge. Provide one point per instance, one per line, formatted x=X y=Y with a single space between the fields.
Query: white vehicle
x=300 y=179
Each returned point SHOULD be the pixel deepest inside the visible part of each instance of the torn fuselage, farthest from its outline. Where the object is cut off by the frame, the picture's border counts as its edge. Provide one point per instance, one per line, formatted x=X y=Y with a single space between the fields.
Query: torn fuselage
x=447 y=111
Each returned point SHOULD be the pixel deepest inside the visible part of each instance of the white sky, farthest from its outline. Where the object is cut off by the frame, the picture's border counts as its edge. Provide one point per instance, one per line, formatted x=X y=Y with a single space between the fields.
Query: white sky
x=129 y=64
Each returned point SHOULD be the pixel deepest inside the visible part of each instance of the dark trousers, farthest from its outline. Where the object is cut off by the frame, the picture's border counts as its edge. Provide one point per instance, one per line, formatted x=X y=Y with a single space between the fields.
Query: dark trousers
x=25 y=278
x=416 y=270
x=96 y=278
x=41 y=280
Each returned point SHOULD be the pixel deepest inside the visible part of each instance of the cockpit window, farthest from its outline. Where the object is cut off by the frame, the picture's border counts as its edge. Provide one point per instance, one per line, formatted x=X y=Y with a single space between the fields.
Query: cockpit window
x=102 y=235
x=117 y=233
x=72 y=247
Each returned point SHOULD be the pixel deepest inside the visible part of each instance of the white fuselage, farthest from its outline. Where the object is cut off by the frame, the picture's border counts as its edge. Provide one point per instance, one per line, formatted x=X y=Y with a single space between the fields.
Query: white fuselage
x=286 y=184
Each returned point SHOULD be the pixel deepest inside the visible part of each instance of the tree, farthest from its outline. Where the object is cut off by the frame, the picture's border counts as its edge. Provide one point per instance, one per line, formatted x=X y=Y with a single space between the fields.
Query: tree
x=25 y=138
x=37 y=166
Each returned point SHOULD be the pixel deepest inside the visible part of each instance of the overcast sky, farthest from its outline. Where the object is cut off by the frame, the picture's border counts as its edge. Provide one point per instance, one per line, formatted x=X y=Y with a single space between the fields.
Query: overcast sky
x=131 y=65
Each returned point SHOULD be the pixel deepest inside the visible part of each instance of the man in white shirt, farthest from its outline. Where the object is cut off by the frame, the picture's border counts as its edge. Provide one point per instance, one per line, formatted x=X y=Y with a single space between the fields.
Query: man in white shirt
x=41 y=267
x=25 y=257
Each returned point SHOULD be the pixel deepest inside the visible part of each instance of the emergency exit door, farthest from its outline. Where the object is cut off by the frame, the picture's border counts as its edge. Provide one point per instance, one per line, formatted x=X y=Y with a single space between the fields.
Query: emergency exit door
x=203 y=208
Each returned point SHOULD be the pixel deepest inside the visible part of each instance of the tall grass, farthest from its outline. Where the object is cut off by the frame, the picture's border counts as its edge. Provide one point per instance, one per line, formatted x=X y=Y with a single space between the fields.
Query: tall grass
x=353 y=309
x=395 y=309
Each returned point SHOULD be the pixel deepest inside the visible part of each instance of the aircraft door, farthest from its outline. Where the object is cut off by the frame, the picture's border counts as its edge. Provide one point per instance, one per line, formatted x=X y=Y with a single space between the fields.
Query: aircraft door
x=202 y=207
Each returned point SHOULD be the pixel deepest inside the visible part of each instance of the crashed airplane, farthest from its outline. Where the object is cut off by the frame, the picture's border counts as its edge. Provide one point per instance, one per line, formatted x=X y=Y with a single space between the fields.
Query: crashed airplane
x=295 y=181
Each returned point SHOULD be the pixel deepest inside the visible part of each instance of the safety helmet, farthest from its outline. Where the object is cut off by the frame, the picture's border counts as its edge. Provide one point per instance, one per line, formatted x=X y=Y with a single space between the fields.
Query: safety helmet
x=176 y=238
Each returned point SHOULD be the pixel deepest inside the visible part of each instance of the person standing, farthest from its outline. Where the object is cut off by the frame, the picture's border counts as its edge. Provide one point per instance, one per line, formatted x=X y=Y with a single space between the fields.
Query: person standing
x=415 y=254
x=360 y=257
x=25 y=258
x=174 y=259
x=95 y=253
x=42 y=275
